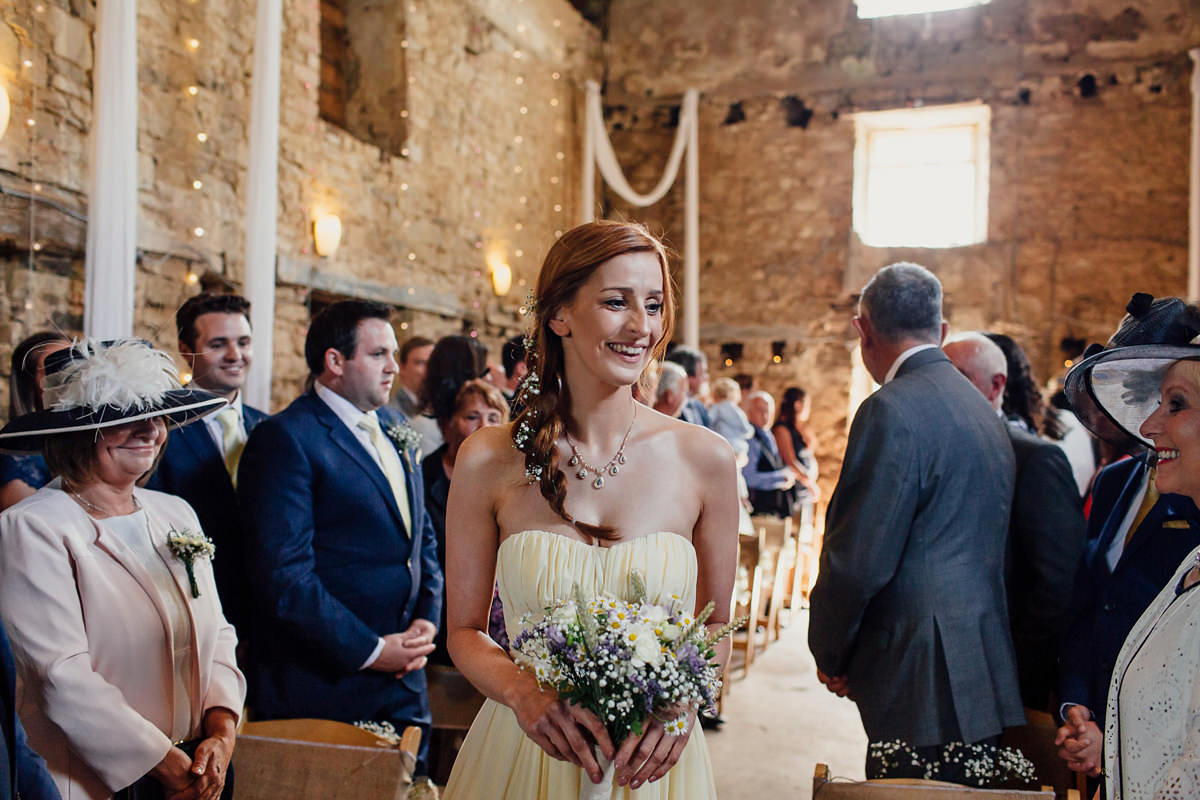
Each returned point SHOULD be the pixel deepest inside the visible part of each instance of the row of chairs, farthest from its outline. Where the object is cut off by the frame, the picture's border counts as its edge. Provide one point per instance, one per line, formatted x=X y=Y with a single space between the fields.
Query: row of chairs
x=776 y=567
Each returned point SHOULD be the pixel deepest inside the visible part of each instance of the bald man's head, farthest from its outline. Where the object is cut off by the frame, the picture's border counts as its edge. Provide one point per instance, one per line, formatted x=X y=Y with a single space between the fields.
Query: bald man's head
x=982 y=361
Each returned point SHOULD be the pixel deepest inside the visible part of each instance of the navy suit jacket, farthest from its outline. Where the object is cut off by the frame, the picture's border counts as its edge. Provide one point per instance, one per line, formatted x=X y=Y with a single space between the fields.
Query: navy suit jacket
x=193 y=467
x=1106 y=604
x=22 y=771
x=333 y=569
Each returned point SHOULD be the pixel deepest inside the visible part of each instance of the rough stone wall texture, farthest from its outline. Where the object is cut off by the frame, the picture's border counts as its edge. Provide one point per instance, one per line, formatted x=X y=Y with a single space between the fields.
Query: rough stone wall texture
x=489 y=168
x=1088 y=194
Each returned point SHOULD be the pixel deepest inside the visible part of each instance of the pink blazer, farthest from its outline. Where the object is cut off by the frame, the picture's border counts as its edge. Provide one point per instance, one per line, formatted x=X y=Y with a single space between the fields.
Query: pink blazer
x=92 y=640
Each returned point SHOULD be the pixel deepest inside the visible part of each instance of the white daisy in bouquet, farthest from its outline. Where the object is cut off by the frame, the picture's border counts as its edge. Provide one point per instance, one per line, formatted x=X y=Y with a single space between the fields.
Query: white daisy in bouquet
x=627 y=661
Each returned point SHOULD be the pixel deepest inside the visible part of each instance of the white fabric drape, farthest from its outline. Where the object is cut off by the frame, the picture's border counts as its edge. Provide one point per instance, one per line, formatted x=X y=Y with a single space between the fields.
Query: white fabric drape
x=111 y=252
x=597 y=150
x=262 y=196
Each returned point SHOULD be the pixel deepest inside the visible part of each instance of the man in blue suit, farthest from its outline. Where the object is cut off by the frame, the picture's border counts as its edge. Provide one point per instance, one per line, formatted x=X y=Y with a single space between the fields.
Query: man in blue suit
x=23 y=773
x=200 y=460
x=343 y=554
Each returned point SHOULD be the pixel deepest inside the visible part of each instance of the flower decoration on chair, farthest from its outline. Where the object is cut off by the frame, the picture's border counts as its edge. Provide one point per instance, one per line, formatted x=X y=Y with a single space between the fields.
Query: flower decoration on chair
x=983 y=766
x=187 y=546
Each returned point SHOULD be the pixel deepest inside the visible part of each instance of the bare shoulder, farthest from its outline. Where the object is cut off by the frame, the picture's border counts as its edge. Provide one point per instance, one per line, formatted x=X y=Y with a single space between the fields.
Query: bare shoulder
x=706 y=450
x=487 y=450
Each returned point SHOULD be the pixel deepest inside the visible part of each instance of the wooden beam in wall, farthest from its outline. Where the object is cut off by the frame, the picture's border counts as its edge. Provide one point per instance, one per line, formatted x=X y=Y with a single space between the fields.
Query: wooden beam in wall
x=305 y=272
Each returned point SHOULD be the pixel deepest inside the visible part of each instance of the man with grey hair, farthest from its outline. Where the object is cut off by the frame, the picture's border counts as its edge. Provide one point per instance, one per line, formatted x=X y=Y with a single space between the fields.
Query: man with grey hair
x=695 y=364
x=769 y=480
x=1046 y=533
x=671 y=392
x=908 y=614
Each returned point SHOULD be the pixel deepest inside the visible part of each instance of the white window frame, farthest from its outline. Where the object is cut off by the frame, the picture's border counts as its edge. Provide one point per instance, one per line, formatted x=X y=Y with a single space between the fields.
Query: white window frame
x=873 y=9
x=870 y=123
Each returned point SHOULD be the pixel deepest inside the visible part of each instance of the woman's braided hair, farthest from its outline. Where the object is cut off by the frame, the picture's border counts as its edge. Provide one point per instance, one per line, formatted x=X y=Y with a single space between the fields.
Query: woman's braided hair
x=545 y=396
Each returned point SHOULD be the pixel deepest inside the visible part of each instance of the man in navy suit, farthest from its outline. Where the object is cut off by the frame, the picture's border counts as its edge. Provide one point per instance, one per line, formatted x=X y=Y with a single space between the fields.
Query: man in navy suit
x=199 y=460
x=342 y=551
x=23 y=773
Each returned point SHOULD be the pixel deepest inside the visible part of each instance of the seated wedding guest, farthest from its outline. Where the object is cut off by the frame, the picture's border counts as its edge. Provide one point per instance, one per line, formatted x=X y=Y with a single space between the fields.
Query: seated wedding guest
x=768 y=478
x=200 y=461
x=1151 y=747
x=1045 y=533
x=414 y=359
x=730 y=421
x=727 y=417
x=1137 y=536
x=22 y=475
x=796 y=442
x=453 y=361
x=670 y=392
x=128 y=679
x=695 y=363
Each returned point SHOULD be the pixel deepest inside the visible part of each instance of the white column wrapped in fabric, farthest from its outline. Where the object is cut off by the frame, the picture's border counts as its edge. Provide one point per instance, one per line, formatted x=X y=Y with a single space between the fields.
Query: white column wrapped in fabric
x=111 y=254
x=262 y=195
x=597 y=150
x=1194 y=195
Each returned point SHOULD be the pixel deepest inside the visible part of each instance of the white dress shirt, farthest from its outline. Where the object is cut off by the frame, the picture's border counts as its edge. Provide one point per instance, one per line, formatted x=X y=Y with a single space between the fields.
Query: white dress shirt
x=900 y=359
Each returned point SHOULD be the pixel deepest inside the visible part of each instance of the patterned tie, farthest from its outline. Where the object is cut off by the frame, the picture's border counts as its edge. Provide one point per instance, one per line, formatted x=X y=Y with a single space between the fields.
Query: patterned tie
x=1144 y=509
x=232 y=440
x=390 y=462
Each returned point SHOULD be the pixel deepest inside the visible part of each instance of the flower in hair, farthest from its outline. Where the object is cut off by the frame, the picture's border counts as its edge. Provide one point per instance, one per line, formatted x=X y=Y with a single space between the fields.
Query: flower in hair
x=127 y=374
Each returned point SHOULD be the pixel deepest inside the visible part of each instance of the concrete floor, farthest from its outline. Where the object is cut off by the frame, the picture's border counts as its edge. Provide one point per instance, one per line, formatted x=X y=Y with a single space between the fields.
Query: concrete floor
x=779 y=722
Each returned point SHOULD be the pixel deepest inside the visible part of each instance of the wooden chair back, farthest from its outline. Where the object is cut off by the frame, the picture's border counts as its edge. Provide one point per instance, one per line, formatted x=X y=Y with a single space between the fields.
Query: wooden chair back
x=824 y=788
x=311 y=759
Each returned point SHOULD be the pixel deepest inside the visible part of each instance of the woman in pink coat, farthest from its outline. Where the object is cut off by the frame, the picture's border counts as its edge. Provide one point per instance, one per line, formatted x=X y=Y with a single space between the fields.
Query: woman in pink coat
x=129 y=687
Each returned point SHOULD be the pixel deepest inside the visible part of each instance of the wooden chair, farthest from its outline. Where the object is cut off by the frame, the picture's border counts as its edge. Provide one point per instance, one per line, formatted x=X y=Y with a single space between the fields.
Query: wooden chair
x=747 y=597
x=453 y=703
x=825 y=788
x=314 y=759
x=777 y=549
x=805 y=560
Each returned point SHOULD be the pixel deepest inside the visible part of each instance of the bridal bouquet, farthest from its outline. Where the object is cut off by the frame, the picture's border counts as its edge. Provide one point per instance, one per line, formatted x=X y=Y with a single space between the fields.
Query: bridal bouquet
x=627 y=661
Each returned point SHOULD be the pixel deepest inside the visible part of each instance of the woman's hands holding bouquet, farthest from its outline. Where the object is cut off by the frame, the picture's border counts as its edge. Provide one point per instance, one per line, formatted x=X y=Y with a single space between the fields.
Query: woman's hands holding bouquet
x=655 y=750
x=564 y=730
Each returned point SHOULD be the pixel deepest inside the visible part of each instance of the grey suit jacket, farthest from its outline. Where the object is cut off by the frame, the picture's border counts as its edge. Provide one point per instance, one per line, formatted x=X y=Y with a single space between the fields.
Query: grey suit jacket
x=909 y=604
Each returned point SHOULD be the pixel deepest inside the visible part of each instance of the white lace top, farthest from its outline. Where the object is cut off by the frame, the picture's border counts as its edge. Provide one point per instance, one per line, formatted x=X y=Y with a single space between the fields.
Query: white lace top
x=1152 y=735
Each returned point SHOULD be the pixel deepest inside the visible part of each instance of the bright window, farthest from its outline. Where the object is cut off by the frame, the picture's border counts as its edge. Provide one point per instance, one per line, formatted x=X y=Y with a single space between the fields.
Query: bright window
x=891 y=8
x=921 y=176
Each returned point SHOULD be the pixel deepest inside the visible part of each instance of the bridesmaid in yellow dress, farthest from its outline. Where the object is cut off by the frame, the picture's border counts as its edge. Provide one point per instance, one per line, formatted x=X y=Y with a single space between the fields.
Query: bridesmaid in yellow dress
x=584 y=487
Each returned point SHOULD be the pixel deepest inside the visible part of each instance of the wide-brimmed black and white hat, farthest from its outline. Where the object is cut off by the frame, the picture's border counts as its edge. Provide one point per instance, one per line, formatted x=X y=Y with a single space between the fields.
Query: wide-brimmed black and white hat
x=97 y=384
x=1121 y=380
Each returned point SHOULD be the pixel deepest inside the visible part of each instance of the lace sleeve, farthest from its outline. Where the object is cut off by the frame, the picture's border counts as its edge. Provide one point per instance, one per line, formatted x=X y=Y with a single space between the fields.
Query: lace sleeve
x=30 y=469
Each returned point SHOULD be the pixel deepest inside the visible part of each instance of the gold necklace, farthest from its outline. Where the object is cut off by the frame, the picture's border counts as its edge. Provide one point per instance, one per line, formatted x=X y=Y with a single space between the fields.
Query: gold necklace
x=83 y=501
x=613 y=465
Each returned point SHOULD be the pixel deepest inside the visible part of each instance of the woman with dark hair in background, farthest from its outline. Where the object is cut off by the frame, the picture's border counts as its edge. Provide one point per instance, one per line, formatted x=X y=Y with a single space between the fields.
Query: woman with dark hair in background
x=455 y=360
x=796 y=442
x=22 y=475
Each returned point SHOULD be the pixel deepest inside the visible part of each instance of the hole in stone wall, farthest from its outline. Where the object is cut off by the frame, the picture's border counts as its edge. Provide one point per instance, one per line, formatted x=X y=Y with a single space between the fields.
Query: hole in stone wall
x=1156 y=89
x=797 y=114
x=1112 y=80
x=736 y=114
x=1087 y=86
x=667 y=116
x=1024 y=96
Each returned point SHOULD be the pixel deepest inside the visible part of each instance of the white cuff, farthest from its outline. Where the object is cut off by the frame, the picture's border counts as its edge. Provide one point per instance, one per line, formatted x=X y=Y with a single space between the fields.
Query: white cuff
x=374 y=655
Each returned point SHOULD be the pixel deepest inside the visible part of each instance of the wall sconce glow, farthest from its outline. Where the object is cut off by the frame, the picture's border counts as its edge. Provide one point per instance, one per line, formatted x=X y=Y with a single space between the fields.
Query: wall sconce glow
x=4 y=109
x=501 y=272
x=327 y=234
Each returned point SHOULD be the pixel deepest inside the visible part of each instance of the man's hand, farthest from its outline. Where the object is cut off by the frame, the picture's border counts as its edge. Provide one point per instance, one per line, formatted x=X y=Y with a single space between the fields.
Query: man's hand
x=837 y=684
x=404 y=652
x=1080 y=742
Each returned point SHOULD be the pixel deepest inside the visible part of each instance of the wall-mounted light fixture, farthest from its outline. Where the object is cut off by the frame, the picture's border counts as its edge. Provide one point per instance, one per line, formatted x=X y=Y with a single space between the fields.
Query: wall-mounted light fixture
x=778 y=349
x=327 y=234
x=501 y=272
x=731 y=353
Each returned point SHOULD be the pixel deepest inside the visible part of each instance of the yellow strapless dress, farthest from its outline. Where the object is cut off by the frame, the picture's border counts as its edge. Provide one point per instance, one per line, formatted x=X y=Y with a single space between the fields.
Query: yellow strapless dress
x=534 y=569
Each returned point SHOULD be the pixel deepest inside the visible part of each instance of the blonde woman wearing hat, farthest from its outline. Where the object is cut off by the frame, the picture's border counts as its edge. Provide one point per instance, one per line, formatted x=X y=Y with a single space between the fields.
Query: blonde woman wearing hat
x=1152 y=721
x=129 y=686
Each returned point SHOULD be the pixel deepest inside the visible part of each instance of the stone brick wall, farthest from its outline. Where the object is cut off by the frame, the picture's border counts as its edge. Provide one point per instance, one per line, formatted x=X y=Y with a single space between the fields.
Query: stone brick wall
x=1089 y=145
x=489 y=168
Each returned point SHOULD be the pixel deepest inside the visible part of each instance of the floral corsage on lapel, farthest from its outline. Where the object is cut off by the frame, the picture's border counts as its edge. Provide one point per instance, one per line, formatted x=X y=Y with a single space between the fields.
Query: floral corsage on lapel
x=407 y=441
x=187 y=546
